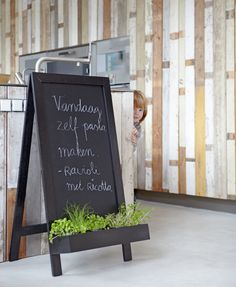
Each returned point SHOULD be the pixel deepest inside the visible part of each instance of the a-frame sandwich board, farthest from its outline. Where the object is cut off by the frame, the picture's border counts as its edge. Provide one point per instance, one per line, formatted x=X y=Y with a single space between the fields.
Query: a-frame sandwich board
x=79 y=161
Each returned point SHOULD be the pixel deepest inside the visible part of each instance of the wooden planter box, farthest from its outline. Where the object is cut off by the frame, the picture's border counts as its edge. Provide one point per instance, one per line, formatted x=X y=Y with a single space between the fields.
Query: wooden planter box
x=100 y=238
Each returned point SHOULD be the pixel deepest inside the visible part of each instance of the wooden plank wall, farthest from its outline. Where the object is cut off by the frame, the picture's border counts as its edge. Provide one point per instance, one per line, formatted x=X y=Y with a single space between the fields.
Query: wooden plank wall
x=182 y=57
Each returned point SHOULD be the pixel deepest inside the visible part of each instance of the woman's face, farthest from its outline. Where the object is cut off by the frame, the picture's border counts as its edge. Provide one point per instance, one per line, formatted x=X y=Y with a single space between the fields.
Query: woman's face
x=138 y=114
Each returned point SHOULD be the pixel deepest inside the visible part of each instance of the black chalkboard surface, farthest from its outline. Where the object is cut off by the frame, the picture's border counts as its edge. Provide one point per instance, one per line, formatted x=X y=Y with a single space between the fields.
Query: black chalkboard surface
x=79 y=162
x=78 y=144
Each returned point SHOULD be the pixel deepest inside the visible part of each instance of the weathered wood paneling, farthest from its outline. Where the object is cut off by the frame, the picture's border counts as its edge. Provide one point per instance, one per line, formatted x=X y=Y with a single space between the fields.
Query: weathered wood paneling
x=182 y=144
x=106 y=19
x=66 y=18
x=7 y=33
x=148 y=93
x=235 y=84
x=174 y=97
x=132 y=39
x=3 y=94
x=140 y=84
x=230 y=96
x=123 y=107
x=53 y=25
x=13 y=27
x=45 y=25
x=165 y=94
x=29 y=25
x=157 y=13
x=189 y=97
x=219 y=90
x=209 y=99
x=1 y=38
x=92 y=19
x=72 y=22
x=200 y=100
x=119 y=18
x=84 y=22
x=37 y=26
x=126 y=145
x=182 y=57
x=60 y=23
x=100 y=20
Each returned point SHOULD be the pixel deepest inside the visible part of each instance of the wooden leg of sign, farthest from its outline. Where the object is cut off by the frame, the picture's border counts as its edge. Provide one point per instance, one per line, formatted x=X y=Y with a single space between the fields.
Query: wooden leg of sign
x=56 y=264
x=127 y=254
x=15 y=247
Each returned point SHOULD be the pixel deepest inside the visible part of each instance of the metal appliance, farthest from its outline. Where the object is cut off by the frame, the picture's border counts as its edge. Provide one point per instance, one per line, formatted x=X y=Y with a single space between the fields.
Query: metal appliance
x=109 y=58
x=28 y=62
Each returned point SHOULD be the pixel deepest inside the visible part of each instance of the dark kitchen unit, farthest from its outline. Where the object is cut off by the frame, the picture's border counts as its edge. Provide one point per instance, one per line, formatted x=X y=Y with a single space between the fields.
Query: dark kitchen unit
x=109 y=58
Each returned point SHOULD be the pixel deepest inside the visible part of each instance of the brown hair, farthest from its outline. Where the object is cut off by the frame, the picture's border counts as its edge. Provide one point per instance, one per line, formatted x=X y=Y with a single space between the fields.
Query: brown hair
x=140 y=102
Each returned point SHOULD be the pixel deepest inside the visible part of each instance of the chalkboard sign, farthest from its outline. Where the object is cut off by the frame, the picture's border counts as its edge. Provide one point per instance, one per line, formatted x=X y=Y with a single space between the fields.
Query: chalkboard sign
x=79 y=161
x=78 y=144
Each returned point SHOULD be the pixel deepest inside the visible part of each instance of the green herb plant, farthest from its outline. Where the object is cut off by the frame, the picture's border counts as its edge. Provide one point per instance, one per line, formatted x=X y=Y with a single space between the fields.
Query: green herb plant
x=82 y=219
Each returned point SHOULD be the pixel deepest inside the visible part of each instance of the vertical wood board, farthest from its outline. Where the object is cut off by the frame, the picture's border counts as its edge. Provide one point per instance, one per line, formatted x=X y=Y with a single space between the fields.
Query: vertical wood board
x=72 y=23
x=174 y=96
x=209 y=99
x=133 y=34
x=37 y=26
x=106 y=19
x=157 y=13
x=85 y=22
x=182 y=108
x=2 y=179
x=148 y=91
x=13 y=40
x=230 y=96
x=100 y=20
x=165 y=94
x=92 y=19
x=219 y=98
x=140 y=84
x=60 y=23
x=126 y=146
x=200 y=152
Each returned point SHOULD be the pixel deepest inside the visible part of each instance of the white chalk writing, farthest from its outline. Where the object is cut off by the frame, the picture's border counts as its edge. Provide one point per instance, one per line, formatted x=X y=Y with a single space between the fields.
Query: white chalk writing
x=76 y=107
x=83 y=175
x=93 y=127
x=85 y=170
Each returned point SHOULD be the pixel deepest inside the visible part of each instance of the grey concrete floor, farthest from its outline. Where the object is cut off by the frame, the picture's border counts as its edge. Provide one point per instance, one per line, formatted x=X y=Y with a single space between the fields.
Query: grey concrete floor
x=188 y=247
